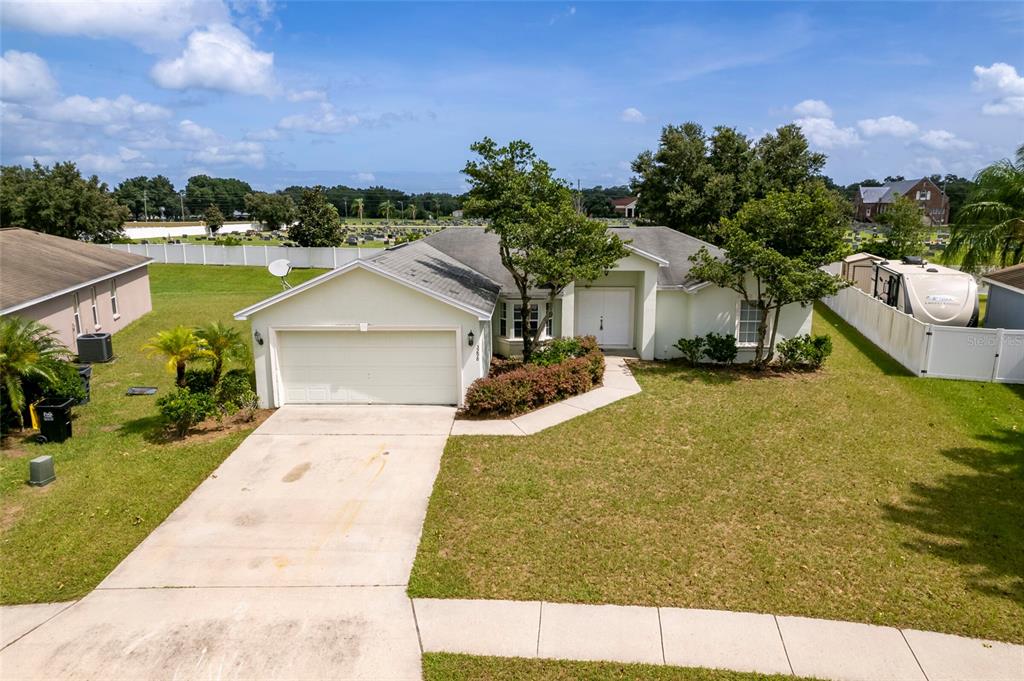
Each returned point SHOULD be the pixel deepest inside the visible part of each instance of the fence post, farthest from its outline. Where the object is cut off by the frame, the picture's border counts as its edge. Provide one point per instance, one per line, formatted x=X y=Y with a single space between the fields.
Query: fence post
x=266 y=255
x=999 y=351
x=928 y=334
x=245 y=260
x=334 y=257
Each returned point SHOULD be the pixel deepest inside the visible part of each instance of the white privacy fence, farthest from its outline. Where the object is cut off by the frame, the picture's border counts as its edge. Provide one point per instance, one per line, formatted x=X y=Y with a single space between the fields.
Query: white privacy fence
x=260 y=256
x=934 y=351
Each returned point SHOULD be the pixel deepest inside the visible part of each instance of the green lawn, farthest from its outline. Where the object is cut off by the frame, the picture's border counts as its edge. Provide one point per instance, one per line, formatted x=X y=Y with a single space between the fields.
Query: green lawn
x=860 y=493
x=449 y=667
x=115 y=481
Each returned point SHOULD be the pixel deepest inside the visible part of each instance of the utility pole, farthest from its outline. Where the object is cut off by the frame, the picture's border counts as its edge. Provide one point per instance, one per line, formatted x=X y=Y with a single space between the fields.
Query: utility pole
x=181 y=198
x=578 y=199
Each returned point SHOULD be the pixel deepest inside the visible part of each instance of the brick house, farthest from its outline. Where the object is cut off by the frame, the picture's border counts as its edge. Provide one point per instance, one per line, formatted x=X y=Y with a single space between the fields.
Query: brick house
x=870 y=202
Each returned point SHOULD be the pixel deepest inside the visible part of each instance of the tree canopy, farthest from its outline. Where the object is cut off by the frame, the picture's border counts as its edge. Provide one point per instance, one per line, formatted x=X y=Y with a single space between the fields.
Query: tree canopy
x=273 y=210
x=58 y=200
x=318 y=222
x=149 y=197
x=544 y=243
x=905 y=231
x=227 y=193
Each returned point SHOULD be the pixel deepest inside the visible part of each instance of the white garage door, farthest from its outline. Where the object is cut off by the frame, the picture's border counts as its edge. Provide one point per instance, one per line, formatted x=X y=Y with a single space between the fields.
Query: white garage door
x=372 y=367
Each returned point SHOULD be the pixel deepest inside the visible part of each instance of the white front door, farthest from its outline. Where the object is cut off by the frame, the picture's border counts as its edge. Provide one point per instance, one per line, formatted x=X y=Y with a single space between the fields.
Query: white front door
x=606 y=314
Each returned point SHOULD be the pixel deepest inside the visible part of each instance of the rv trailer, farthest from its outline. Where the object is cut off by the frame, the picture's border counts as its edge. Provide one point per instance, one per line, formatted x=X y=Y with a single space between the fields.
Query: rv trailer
x=930 y=293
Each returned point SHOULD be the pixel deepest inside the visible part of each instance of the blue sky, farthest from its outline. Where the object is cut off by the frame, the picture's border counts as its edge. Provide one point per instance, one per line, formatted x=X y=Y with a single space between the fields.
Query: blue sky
x=394 y=93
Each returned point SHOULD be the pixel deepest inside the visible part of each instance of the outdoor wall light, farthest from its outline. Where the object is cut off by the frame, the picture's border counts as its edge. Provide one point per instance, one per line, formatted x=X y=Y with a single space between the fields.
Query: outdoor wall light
x=258 y=337
x=470 y=338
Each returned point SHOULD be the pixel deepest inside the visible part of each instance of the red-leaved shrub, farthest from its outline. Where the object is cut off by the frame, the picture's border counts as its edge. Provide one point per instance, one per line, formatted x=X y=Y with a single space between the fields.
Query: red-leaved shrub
x=518 y=388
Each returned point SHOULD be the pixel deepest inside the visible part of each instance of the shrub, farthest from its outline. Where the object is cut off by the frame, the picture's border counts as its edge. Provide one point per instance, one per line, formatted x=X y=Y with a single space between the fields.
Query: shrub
x=528 y=386
x=200 y=380
x=232 y=388
x=183 y=408
x=809 y=351
x=248 y=402
x=501 y=365
x=692 y=349
x=558 y=350
x=720 y=348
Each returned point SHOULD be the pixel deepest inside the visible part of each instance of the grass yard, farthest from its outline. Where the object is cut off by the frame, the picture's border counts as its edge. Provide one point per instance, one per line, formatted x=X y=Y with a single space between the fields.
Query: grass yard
x=860 y=493
x=449 y=667
x=115 y=481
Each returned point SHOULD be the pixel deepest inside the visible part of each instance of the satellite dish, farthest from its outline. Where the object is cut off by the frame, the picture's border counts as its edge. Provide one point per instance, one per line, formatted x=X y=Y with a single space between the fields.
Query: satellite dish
x=281 y=268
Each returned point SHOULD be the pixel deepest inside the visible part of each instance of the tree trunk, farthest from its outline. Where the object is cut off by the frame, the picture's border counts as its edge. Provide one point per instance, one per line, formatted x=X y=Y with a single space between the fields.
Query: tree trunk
x=762 y=331
x=524 y=316
x=218 y=367
x=181 y=374
x=775 y=330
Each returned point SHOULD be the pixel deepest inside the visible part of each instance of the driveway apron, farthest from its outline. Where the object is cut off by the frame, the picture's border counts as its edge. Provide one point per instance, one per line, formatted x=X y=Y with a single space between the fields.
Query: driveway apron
x=290 y=561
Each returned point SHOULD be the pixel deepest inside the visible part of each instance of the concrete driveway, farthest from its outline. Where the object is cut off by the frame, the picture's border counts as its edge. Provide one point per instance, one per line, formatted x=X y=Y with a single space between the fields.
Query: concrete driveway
x=290 y=561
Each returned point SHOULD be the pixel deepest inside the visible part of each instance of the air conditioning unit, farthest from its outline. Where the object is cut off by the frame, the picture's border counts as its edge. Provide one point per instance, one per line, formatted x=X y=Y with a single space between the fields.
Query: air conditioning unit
x=95 y=347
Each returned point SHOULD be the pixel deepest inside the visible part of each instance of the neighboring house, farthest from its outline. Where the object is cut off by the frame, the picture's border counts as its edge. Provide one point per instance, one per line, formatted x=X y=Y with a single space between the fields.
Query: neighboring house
x=71 y=286
x=1005 y=307
x=626 y=206
x=419 y=323
x=871 y=202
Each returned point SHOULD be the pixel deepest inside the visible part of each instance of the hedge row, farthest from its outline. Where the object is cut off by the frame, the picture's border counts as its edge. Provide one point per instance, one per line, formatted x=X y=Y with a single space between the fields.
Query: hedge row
x=516 y=388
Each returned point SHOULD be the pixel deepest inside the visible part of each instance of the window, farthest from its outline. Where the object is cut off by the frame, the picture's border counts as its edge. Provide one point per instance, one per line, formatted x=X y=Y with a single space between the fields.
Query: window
x=517 y=321
x=749 y=320
x=502 y=319
x=95 y=310
x=923 y=195
x=74 y=310
x=113 y=298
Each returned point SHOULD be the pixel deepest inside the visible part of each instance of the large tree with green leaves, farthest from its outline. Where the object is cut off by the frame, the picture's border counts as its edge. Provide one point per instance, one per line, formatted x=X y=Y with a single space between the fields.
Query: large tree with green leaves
x=694 y=179
x=227 y=193
x=318 y=222
x=58 y=200
x=989 y=229
x=904 y=230
x=213 y=218
x=273 y=210
x=149 y=197
x=774 y=250
x=544 y=243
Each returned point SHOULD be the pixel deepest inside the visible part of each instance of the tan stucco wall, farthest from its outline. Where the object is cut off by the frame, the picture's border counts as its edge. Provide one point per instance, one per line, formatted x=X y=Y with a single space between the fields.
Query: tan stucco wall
x=133 y=300
x=357 y=297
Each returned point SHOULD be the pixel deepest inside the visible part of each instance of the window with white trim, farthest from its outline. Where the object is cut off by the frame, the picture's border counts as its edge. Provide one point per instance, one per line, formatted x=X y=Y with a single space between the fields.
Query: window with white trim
x=77 y=315
x=517 y=319
x=748 y=321
x=503 y=319
x=95 y=310
x=924 y=195
x=113 y=298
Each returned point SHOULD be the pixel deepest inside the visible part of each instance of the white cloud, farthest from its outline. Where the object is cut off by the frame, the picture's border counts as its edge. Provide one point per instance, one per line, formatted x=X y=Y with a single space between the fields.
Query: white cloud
x=633 y=115
x=151 y=24
x=364 y=177
x=1002 y=80
x=824 y=133
x=24 y=76
x=324 y=121
x=103 y=111
x=210 y=148
x=887 y=125
x=219 y=57
x=266 y=135
x=111 y=163
x=813 y=108
x=307 y=96
x=943 y=140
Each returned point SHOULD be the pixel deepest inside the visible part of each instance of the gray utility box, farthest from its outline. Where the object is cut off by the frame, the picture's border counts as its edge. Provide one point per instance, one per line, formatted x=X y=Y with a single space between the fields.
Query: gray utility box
x=95 y=347
x=40 y=471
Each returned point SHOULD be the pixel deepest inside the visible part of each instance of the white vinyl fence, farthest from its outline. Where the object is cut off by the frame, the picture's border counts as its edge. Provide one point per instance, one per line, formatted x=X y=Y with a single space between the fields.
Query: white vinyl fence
x=934 y=351
x=259 y=256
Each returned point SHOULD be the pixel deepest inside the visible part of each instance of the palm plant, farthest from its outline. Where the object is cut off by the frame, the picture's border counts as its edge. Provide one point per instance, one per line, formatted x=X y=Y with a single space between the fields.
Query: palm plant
x=385 y=209
x=989 y=229
x=28 y=350
x=179 y=345
x=358 y=205
x=223 y=342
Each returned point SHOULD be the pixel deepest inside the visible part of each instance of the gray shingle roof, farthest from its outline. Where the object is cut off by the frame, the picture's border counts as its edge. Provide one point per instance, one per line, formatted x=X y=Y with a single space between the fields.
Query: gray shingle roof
x=872 y=194
x=421 y=264
x=888 y=192
x=34 y=265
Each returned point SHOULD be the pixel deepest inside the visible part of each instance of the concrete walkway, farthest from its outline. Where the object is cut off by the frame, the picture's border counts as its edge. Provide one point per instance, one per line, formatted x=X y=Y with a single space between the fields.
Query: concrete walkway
x=750 y=642
x=618 y=383
x=290 y=561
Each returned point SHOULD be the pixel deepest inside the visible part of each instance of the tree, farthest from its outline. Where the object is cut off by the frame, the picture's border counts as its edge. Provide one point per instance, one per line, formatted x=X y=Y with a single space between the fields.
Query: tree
x=213 y=218
x=28 y=351
x=58 y=200
x=543 y=242
x=774 y=250
x=273 y=210
x=906 y=231
x=989 y=229
x=224 y=342
x=694 y=180
x=146 y=197
x=318 y=222
x=179 y=345
x=228 y=194
x=358 y=205
x=385 y=209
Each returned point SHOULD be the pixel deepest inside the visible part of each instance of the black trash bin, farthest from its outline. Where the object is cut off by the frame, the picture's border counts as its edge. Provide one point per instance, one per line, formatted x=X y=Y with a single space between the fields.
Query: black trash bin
x=85 y=373
x=54 y=420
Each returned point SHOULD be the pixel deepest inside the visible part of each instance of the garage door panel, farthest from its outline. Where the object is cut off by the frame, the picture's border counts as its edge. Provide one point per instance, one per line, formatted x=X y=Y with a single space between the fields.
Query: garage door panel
x=405 y=367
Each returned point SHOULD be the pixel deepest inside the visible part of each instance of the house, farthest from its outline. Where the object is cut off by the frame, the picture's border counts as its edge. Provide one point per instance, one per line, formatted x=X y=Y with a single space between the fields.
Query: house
x=1005 y=307
x=71 y=286
x=626 y=206
x=871 y=202
x=418 y=323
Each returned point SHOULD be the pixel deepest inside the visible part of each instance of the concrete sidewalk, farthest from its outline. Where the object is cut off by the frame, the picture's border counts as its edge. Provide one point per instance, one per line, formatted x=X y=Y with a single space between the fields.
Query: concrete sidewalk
x=618 y=383
x=739 y=641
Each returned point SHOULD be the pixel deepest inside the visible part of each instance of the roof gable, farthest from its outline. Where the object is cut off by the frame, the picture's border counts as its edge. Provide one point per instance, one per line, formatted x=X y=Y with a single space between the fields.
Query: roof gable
x=1009 y=277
